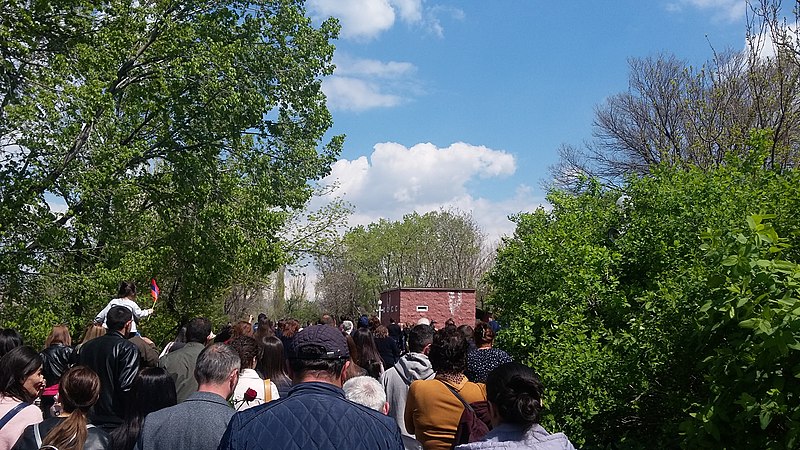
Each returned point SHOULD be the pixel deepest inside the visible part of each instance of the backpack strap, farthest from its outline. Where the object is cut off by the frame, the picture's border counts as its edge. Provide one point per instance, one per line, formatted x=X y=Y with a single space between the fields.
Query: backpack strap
x=267 y=391
x=37 y=435
x=13 y=412
x=455 y=392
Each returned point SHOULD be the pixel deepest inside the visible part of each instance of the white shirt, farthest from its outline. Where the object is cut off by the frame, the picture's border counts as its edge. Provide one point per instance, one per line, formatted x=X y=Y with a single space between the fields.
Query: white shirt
x=249 y=379
x=126 y=302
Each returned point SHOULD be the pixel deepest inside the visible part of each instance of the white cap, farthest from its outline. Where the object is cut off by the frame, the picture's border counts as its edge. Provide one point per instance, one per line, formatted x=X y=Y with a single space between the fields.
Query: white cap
x=424 y=321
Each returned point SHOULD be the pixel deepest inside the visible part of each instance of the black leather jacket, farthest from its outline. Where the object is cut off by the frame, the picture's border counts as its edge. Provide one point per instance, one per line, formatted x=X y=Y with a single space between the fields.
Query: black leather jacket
x=57 y=359
x=96 y=438
x=116 y=361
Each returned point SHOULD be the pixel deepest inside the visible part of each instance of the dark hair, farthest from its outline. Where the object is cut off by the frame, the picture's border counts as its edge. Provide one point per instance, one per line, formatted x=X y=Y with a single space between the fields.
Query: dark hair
x=117 y=317
x=78 y=391
x=248 y=349
x=448 y=351
x=198 y=330
x=483 y=334
x=16 y=366
x=332 y=367
x=152 y=390
x=9 y=338
x=516 y=391
x=368 y=356
x=468 y=333
x=126 y=289
x=264 y=329
x=215 y=363
x=419 y=337
x=59 y=335
x=272 y=364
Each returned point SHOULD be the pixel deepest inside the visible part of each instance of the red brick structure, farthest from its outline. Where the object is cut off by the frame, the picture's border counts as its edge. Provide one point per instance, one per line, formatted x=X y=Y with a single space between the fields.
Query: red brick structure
x=439 y=304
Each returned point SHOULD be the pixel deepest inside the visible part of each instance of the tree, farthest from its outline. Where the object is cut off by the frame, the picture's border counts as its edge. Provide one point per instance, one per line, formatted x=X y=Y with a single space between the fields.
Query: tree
x=677 y=114
x=179 y=136
x=437 y=249
x=663 y=314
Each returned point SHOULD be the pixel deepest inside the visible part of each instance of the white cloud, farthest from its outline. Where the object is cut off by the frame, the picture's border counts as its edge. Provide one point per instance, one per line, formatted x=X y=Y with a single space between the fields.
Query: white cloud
x=367 y=19
x=410 y=10
x=727 y=10
x=352 y=94
x=360 y=19
x=395 y=180
x=359 y=84
x=349 y=66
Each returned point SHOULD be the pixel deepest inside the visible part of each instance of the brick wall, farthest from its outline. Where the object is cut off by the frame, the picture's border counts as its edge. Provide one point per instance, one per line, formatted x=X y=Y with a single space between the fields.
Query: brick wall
x=442 y=304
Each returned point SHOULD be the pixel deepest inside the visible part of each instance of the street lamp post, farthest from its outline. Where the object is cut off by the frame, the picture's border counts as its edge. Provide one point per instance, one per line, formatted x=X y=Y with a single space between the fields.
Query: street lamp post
x=380 y=302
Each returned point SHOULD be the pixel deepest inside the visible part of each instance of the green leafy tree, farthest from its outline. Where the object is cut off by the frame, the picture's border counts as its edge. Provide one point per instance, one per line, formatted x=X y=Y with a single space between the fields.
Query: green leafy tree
x=437 y=249
x=177 y=137
x=607 y=296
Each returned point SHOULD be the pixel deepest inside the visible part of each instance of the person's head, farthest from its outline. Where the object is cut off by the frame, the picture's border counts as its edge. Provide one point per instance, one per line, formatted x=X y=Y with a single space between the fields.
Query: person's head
x=516 y=393
x=327 y=319
x=484 y=336
x=242 y=328
x=119 y=319
x=127 y=289
x=93 y=331
x=448 y=353
x=9 y=338
x=363 y=321
x=58 y=335
x=381 y=332
x=419 y=338
x=319 y=353
x=198 y=330
x=21 y=374
x=368 y=356
x=424 y=321
x=347 y=326
x=153 y=389
x=217 y=368
x=290 y=328
x=366 y=391
x=374 y=322
x=450 y=322
x=468 y=333
x=273 y=360
x=248 y=349
x=78 y=391
x=180 y=337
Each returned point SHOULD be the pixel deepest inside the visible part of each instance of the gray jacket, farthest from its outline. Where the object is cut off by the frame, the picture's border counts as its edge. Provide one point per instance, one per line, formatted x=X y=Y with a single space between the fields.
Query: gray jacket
x=410 y=367
x=196 y=424
x=515 y=437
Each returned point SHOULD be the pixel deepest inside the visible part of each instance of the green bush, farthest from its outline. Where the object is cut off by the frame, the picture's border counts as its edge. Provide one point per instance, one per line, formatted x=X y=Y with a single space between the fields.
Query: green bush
x=628 y=311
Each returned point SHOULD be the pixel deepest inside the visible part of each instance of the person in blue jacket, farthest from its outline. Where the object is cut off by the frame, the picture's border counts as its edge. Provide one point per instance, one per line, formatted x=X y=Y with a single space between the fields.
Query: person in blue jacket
x=315 y=414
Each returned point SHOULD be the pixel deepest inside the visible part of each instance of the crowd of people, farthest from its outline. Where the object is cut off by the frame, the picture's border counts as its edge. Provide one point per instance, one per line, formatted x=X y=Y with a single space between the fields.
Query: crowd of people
x=362 y=384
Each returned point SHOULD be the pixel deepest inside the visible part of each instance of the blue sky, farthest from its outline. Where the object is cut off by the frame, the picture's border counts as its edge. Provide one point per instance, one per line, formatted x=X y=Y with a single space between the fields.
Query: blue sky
x=464 y=103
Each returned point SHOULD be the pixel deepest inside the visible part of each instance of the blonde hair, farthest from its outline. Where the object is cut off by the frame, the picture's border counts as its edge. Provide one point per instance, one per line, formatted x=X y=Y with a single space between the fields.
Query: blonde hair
x=59 y=335
x=93 y=331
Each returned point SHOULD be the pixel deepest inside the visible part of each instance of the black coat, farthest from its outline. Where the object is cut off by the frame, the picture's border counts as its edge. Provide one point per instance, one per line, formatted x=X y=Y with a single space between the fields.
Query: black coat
x=389 y=351
x=116 y=361
x=57 y=358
